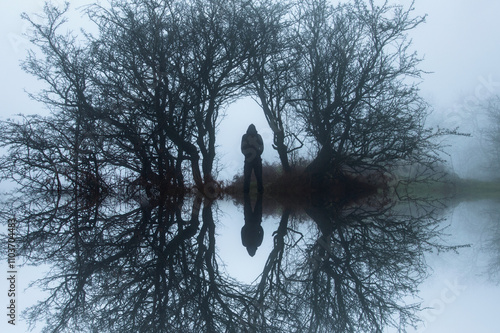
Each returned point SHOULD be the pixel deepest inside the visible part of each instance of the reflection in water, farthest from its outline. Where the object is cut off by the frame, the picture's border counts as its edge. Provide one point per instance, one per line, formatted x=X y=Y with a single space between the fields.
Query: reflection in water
x=349 y=277
x=490 y=238
x=252 y=233
x=120 y=266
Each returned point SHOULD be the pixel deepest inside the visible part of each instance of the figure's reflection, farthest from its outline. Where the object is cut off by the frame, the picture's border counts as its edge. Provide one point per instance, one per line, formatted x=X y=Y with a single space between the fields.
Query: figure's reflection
x=252 y=233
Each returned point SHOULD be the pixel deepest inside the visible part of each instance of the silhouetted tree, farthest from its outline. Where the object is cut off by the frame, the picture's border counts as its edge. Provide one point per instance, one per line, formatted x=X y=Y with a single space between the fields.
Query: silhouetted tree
x=120 y=266
x=272 y=66
x=150 y=84
x=355 y=90
x=153 y=266
x=492 y=241
x=220 y=37
x=54 y=154
x=139 y=90
x=139 y=102
x=352 y=277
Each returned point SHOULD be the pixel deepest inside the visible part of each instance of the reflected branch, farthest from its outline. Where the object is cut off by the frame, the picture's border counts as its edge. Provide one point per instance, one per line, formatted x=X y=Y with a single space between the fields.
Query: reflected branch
x=154 y=267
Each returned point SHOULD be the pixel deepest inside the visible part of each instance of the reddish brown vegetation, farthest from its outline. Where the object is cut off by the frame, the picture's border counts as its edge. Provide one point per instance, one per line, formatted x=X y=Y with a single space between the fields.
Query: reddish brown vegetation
x=298 y=189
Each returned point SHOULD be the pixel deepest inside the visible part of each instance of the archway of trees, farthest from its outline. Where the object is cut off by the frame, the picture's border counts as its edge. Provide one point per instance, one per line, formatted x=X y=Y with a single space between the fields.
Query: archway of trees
x=139 y=101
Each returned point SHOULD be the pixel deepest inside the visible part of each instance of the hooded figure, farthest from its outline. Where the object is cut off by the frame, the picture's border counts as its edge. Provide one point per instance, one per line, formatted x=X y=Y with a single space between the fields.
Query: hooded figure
x=252 y=147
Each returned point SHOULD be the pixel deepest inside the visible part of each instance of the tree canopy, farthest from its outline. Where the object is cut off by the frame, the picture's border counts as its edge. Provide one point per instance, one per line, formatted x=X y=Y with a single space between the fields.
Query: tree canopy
x=141 y=95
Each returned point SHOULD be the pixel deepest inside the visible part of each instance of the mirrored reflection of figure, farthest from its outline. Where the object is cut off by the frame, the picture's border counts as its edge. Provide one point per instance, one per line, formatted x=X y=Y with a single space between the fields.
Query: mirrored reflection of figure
x=252 y=147
x=252 y=232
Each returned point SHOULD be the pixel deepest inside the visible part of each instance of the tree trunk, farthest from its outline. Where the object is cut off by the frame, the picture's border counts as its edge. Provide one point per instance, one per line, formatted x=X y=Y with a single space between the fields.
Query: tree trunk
x=195 y=168
x=282 y=149
x=323 y=161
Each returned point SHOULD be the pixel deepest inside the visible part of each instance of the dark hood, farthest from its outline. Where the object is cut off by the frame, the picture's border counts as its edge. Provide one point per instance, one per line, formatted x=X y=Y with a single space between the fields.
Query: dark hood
x=251 y=129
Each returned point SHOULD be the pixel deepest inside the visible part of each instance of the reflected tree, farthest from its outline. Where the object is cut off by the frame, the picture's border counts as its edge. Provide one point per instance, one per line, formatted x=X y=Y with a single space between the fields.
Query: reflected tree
x=354 y=276
x=491 y=242
x=153 y=267
x=129 y=268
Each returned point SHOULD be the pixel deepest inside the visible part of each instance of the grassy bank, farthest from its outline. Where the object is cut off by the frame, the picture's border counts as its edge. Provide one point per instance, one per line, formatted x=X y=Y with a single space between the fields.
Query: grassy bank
x=296 y=188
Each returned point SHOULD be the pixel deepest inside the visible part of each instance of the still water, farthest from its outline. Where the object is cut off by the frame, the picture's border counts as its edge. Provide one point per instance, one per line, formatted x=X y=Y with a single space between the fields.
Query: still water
x=250 y=265
x=462 y=288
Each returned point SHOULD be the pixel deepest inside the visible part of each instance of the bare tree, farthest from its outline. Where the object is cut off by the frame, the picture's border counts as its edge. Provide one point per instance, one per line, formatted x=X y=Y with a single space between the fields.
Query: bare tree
x=353 y=276
x=150 y=87
x=121 y=267
x=355 y=90
x=143 y=94
x=220 y=37
x=154 y=267
x=55 y=155
x=272 y=66
x=150 y=84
